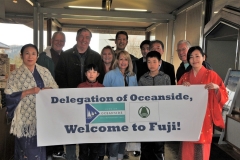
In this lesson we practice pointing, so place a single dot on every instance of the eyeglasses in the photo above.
(181, 50)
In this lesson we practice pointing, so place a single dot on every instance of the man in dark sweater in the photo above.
(70, 71)
(182, 50)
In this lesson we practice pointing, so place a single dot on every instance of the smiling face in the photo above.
(122, 62)
(29, 57)
(182, 50)
(196, 59)
(121, 42)
(107, 56)
(83, 41)
(58, 42)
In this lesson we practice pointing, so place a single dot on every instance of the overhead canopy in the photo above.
(4, 46)
(158, 11)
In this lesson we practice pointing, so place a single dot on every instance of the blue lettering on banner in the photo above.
(153, 126)
(132, 97)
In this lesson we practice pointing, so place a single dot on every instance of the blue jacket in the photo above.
(114, 78)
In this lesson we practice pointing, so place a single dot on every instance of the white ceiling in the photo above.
(158, 11)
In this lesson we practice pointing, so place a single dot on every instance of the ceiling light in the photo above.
(215, 12)
(14, 1)
(127, 9)
(108, 5)
(85, 7)
(30, 2)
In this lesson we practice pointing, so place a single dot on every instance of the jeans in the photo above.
(89, 151)
(152, 151)
(71, 152)
(116, 150)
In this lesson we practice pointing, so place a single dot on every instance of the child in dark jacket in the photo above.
(90, 151)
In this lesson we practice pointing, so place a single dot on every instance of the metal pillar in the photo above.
(49, 31)
(35, 25)
(40, 32)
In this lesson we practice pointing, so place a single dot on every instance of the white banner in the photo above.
(120, 114)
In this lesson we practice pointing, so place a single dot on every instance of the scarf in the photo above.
(21, 79)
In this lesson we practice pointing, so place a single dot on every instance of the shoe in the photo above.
(101, 158)
(136, 153)
(60, 154)
(125, 156)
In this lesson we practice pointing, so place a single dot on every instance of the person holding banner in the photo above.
(22, 86)
(217, 96)
(122, 75)
(155, 77)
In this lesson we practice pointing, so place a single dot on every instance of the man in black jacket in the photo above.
(182, 50)
(70, 72)
(166, 67)
(141, 62)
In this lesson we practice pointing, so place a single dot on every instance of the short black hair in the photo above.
(193, 48)
(28, 45)
(144, 42)
(153, 54)
(157, 41)
(121, 32)
(91, 67)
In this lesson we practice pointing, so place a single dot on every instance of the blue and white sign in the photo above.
(120, 114)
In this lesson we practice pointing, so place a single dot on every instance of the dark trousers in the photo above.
(88, 151)
(152, 150)
(54, 149)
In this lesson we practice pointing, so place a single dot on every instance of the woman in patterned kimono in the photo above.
(22, 86)
(217, 96)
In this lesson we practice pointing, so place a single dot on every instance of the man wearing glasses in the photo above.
(182, 50)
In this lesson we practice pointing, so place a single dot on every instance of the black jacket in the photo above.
(168, 69)
(181, 69)
(68, 69)
(142, 68)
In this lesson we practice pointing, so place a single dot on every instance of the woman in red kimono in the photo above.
(217, 96)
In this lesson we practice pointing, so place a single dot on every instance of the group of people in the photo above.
(80, 67)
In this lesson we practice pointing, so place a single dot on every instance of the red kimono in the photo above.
(200, 150)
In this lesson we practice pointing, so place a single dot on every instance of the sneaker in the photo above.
(125, 156)
(136, 153)
(60, 154)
